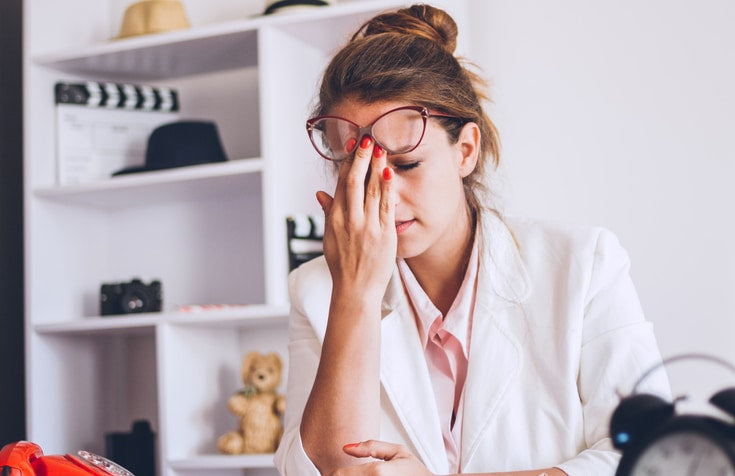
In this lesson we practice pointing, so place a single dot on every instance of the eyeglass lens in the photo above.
(397, 132)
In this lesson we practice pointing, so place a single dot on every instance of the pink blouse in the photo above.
(446, 342)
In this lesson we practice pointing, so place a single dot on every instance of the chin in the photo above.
(409, 250)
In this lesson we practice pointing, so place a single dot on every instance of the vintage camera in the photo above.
(24, 458)
(131, 297)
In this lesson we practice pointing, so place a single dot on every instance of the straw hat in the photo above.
(153, 16)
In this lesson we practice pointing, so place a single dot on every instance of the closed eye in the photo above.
(406, 166)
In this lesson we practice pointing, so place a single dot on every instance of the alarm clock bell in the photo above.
(655, 439)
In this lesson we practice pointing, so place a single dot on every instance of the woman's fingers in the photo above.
(375, 449)
(387, 215)
(355, 180)
(360, 238)
(325, 201)
(340, 191)
(373, 184)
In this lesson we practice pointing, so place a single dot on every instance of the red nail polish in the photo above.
(350, 445)
(350, 146)
(366, 142)
(378, 151)
(387, 173)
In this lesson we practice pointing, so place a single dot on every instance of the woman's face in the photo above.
(432, 216)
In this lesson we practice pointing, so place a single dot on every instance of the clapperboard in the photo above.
(102, 127)
(305, 234)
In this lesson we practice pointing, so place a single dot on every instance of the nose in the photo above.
(398, 187)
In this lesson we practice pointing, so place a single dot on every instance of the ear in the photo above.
(248, 360)
(469, 144)
(275, 360)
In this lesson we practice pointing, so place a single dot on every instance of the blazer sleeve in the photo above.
(304, 349)
(618, 345)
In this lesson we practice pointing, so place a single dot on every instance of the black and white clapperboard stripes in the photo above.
(117, 96)
(104, 126)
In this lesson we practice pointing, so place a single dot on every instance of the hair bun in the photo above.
(423, 21)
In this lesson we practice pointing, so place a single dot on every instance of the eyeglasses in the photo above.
(397, 131)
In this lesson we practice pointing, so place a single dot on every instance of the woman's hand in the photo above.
(360, 237)
(396, 459)
(360, 248)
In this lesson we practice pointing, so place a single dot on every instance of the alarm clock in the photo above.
(655, 439)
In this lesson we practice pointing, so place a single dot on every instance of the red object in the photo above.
(387, 173)
(24, 458)
(366, 142)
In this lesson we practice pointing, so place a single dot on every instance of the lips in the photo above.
(402, 226)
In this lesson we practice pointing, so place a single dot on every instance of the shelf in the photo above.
(189, 51)
(240, 316)
(211, 462)
(139, 323)
(164, 55)
(181, 183)
(214, 233)
(235, 316)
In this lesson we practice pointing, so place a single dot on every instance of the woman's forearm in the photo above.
(344, 404)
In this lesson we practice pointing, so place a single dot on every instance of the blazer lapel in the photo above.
(494, 362)
(497, 329)
(405, 378)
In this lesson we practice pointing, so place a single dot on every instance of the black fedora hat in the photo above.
(278, 6)
(178, 144)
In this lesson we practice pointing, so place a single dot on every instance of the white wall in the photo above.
(622, 114)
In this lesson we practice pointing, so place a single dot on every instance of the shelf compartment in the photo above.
(194, 424)
(98, 386)
(189, 51)
(182, 183)
(164, 55)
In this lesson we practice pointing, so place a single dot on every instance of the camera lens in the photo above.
(134, 301)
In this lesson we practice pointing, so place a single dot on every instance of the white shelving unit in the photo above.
(212, 233)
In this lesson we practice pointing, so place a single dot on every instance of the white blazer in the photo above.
(557, 331)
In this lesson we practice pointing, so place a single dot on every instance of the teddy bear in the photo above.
(258, 406)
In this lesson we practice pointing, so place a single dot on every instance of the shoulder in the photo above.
(552, 253)
(309, 287)
(544, 238)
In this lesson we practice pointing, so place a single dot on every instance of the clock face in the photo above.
(685, 454)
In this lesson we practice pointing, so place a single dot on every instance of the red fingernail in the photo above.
(387, 173)
(366, 142)
(350, 445)
(378, 151)
(350, 146)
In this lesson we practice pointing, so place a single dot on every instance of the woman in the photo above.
(434, 336)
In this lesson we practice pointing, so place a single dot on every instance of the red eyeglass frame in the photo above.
(368, 130)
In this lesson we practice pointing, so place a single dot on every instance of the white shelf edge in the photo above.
(256, 314)
(159, 177)
(244, 25)
(100, 324)
(247, 314)
(204, 462)
(112, 46)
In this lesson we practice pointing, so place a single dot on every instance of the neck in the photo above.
(440, 271)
